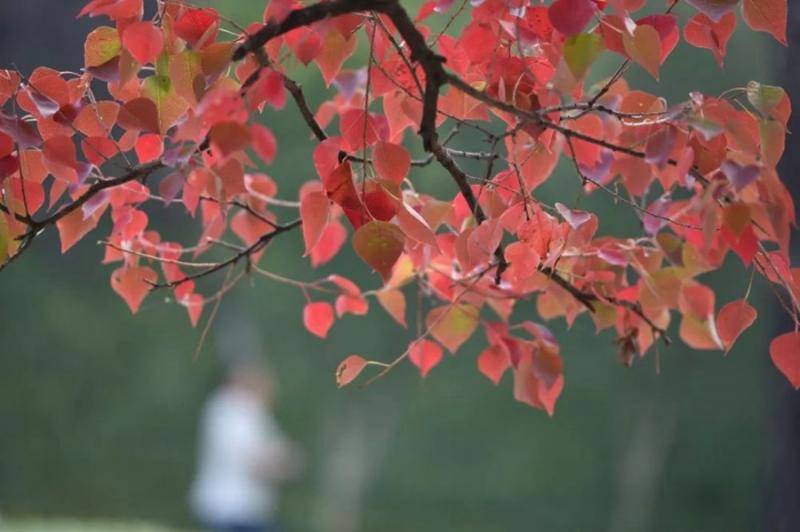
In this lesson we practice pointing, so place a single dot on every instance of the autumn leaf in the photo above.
(767, 15)
(315, 212)
(349, 369)
(452, 325)
(493, 362)
(101, 46)
(785, 353)
(144, 41)
(133, 284)
(197, 26)
(733, 319)
(379, 244)
(318, 318)
(425, 354)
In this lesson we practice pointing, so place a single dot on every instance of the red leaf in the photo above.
(315, 213)
(391, 161)
(493, 362)
(197, 24)
(703, 32)
(733, 319)
(318, 318)
(767, 15)
(133, 284)
(570, 16)
(340, 188)
(785, 353)
(149, 147)
(425, 354)
(264, 143)
(349, 369)
(715, 9)
(335, 51)
(144, 41)
(115, 9)
(329, 244)
(357, 127)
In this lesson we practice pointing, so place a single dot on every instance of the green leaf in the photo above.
(764, 97)
(580, 51)
(170, 106)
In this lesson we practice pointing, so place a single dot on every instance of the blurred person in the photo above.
(243, 455)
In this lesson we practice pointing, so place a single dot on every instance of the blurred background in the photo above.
(99, 409)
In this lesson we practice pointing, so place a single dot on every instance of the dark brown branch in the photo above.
(306, 16)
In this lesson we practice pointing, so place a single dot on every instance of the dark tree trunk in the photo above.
(783, 496)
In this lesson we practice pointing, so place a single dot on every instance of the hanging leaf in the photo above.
(644, 48)
(379, 244)
(570, 16)
(452, 325)
(391, 161)
(349, 369)
(493, 362)
(733, 319)
(133, 284)
(315, 213)
(425, 354)
(144, 41)
(394, 302)
(785, 353)
(769, 16)
(197, 26)
(318, 318)
(102, 45)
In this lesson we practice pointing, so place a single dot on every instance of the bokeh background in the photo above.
(99, 408)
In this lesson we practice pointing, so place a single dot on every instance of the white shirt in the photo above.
(239, 439)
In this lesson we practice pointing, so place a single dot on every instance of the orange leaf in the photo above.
(452, 325)
(767, 15)
(733, 319)
(335, 51)
(379, 244)
(785, 353)
(394, 302)
(425, 354)
(133, 284)
(101, 46)
(73, 227)
(349, 369)
(644, 47)
(493, 362)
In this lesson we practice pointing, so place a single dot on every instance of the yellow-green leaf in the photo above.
(580, 51)
(101, 46)
(170, 106)
(452, 325)
(379, 244)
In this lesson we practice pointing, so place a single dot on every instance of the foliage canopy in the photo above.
(165, 111)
